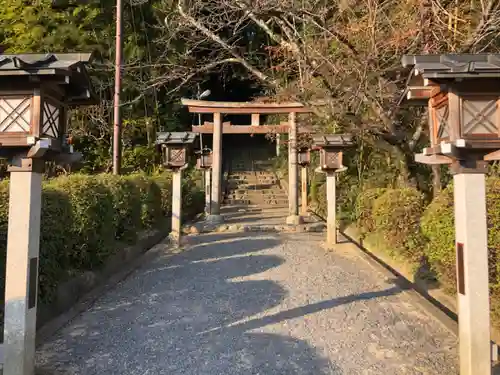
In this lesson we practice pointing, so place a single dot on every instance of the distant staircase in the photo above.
(251, 181)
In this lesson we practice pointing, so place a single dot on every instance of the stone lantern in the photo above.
(36, 92)
(462, 92)
(174, 148)
(204, 159)
(330, 148)
(304, 156)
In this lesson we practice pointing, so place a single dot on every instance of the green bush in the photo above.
(364, 209)
(151, 198)
(164, 182)
(397, 215)
(127, 205)
(193, 198)
(437, 226)
(94, 226)
(57, 242)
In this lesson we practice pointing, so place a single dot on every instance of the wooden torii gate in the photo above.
(255, 109)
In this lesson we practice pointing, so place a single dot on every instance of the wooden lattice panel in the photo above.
(442, 114)
(479, 117)
(15, 115)
(50, 118)
(331, 159)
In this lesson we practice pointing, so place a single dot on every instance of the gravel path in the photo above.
(250, 303)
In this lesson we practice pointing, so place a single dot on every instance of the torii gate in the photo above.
(255, 109)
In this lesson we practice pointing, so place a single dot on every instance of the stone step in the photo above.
(275, 190)
(267, 203)
(246, 173)
(251, 177)
(256, 188)
(256, 199)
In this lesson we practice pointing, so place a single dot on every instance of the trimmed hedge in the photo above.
(364, 209)
(437, 226)
(397, 214)
(85, 217)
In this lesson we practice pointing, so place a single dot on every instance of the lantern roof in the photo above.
(66, 70)
(177, 138)
(454, 66)
(333, 140)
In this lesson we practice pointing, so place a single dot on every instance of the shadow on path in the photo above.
(306, 310)
(150, 323)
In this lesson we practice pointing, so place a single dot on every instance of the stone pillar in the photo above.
(278, 144)
(21, 284)
(215, 215)
(331, 201)
(472, 273)
(293, 191)
(304, 205)
(208, 188)
(176, 206)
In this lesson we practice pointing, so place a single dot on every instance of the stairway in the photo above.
(251, 181)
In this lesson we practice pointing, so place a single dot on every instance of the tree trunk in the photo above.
(436, 180)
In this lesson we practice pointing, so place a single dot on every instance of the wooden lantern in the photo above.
(204, 158)
(330, 147)
(174, 146)
(462, 93)
(304, 157)
(36, 92)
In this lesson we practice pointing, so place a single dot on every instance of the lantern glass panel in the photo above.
(479, 116)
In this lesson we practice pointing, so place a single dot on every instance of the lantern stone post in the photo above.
(331, 163)
(208, 191)
(174, 147)
(36, 91)
(304, 205)
(304, 159)
(461, 93)
(204, 163)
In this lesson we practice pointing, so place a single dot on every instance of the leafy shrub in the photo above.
(193, 198)
(139, 158)
(93, 226)
(151, 198)
(126, 204)
(56, 239)
(164, 182)
(397, 215)
(364, 209)
(437, 226)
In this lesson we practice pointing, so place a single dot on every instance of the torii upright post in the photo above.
(293, 191)
(215, 215)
